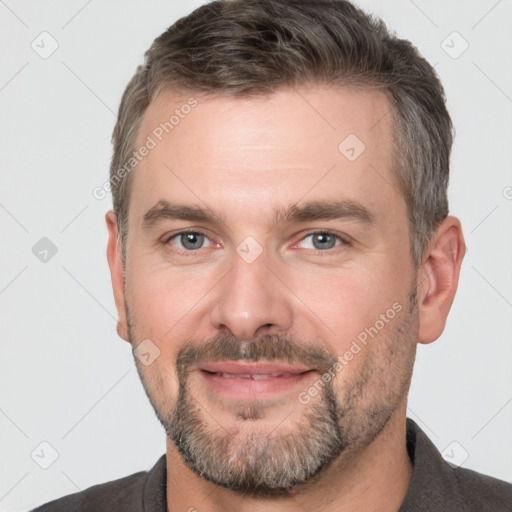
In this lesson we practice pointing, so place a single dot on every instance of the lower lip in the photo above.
(241, 387)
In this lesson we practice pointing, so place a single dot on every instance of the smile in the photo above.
(254, 376)
(239, 379)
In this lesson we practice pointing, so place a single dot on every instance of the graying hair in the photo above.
(255, 47)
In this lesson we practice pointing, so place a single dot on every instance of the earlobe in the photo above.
(438, 278)
(116, 274)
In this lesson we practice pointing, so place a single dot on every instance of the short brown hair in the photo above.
(254, 47)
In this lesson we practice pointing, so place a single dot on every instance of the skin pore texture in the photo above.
(266, 276)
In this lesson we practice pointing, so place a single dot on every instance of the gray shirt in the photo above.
(436, 486)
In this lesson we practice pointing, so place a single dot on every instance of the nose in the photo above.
(251, 300)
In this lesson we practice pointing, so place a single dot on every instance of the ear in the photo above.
(116, 274)
(438, 278)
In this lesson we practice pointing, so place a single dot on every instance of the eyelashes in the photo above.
(189, 237)
(191, 242)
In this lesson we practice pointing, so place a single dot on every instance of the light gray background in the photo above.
(65, 376)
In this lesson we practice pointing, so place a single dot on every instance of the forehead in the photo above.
(266, 151)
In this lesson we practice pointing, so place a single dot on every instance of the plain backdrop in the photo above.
(68, 381)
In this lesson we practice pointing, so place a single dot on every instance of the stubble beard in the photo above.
(256, 462)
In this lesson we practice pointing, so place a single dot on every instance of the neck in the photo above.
(374, 479)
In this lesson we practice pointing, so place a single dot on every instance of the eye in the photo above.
(189, 240)
(322, 241)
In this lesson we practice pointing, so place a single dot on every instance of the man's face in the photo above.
(282, 317)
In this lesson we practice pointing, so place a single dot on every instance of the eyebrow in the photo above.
(164, 210)
(325, 210)
(294, 214)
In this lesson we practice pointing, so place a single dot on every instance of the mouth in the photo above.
(254, 376)
(254, 380)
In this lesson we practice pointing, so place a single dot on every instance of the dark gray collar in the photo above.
(155, 489)
(433, 485)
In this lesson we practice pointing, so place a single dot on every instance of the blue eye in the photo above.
(189, 240)
(323, 240)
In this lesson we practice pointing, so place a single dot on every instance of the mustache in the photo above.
(271, 347)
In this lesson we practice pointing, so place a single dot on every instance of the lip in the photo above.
(252, 380)
(257, 368)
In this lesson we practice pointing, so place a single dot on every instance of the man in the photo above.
(280, 243)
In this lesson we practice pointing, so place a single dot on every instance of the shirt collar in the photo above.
(433, 481)
(155, 488)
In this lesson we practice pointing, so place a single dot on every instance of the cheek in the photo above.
(162, 301)
(346, 303)
(155, 313)
(161, 384)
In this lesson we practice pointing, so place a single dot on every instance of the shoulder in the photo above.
(482, 492)
(124, 494)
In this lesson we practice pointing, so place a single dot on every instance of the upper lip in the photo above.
(239, 368)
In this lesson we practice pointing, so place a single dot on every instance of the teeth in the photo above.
(253, 376)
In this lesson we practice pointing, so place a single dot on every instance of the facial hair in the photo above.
(254, 462)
